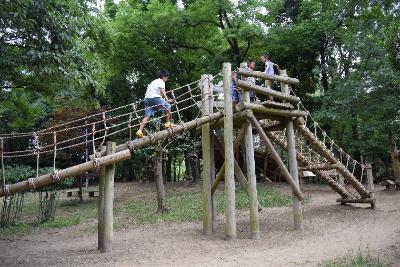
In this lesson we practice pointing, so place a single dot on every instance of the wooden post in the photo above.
(293, 167)
(206, 152)
(251, 174)
(230, 217)
(100, 206)
(370, 184)
(161, 205)
(107, 224)
(212, 152)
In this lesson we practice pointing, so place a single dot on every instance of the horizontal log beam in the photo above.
(273, 111)
(362, 200)
(263, 75)
(158, 136)
(276, 126)
(319, 167)
(275, 156)
(76, 170)
(270, 103)
(266, 91)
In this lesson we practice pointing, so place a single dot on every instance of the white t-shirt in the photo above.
(269, 68)
(153, 90)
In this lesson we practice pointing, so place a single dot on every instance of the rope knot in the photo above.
(96, 163)
(130, 146)
(55, 175)
(6, 190)
(31, 183)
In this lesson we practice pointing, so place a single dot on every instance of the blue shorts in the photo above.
(151, 105)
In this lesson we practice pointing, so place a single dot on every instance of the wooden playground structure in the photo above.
(279, 122)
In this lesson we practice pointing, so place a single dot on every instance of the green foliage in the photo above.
(18, 173)
(45, 52)
(355, 259)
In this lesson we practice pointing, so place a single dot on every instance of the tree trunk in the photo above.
(168, 170)
(188, 170)
(323, 65)
(159, 181)
(357, 153)
(394, 157)
(174, 166)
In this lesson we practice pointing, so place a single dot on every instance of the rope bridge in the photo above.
(90, 133)
(316, 151)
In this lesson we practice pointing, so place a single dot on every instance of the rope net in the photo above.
(88, 134)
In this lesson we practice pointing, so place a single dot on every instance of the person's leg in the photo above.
(149, 112)
(143, 123)
(268, 84)
(168, 114)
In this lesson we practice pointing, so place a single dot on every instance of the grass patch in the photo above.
(18, 228)
(355, 259)
(60, 222)
(185, 205)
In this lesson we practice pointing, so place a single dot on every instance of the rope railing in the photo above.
(326, 139)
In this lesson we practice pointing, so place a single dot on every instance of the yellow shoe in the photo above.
(139, 134)
(169, 125)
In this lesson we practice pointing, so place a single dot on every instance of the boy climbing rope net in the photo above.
(154, 99)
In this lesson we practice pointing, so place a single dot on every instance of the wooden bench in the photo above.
(75, 191)
(390, 185)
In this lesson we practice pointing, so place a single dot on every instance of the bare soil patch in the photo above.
(330, 229)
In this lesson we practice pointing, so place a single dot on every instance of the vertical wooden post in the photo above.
(251, 173)
(370, 184)
(230, 217)
(293, 167)
(212, 153)
(161, 205)
(206, 153)
(107, 224)
(100, 206)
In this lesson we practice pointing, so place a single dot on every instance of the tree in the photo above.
(45, 53)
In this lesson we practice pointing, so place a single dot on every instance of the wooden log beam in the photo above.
(76, 170)
(273, 111)
(238, 172)
(251, 175)
(230, 216)
(218, 179)
(361, 200)
(303, 160)
(370, 183)
(292, 159)
(220, 149)
(276, 126)
(275, 156)
(266, 91)
(319, 146)
(206, 173)
(107, 231)
(323, 167)
(273, 104)
(158, 136)
(262, 75)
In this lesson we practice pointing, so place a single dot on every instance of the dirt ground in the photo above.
(330, 230)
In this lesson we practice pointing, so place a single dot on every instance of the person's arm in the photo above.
(164, 94)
